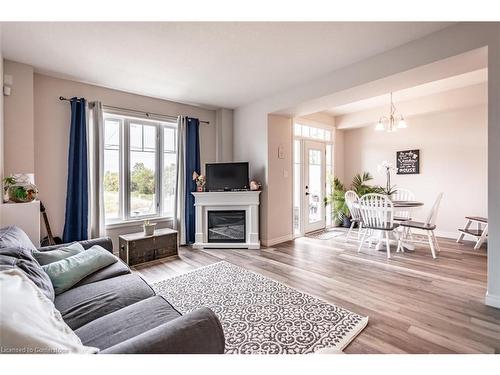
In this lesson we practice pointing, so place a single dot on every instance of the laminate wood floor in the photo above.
(415, 304)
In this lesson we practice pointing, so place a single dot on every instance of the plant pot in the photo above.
(199, 189)
(149, 229)
(346, 222)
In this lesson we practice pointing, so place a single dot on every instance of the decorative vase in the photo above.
(149, 229)
(199, 189)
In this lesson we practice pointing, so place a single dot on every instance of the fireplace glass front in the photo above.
(226, 226)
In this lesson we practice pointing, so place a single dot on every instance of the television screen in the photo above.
(227, 176)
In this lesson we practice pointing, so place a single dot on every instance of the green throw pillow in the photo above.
(67, 272)
(46, 257)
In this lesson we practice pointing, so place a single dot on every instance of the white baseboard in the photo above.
(446, 234)
(492, 300)
(277, 240)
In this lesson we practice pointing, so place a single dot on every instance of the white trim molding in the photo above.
(492, 300)
(277, 240)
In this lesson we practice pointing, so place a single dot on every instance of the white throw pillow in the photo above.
(29, 321)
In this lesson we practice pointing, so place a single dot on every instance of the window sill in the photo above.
(138, 222)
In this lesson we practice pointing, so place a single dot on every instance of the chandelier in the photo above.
(391, 123)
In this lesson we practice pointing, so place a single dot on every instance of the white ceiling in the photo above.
(415, 92)
(214, 64)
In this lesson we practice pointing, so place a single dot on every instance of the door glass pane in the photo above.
(143, 171)
(169, 171)
(315, 178)
(111, 171)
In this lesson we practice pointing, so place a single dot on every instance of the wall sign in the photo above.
(408, 162)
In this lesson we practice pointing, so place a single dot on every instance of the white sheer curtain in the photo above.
(95, 137)
(180, 191)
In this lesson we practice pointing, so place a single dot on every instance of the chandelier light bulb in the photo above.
(380, 126)
(402, 124)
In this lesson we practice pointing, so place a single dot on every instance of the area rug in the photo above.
(326, 234)
(260, 315)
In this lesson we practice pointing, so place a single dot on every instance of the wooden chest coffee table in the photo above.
(136, 248)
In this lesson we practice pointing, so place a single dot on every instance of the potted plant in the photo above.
(149, 228)
(387, 168)
(336, 199)
(19, 189)
(340, 211)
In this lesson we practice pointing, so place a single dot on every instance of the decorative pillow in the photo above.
(46, 257)
(15, 237)
(23, 259)
(67, 272)
(29, 321)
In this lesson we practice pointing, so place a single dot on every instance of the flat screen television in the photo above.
(227, 176)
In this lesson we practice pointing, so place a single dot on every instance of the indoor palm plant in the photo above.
(336, 199)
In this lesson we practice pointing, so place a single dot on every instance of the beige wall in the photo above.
(19, 150)
(224, 142)
(454, 160)
(279, 188)
(52, 118)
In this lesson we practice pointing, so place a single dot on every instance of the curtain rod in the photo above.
(132, 110)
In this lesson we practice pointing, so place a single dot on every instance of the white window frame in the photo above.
(125, 119)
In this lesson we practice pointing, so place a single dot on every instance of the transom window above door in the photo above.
(306, 131)
(139, 168)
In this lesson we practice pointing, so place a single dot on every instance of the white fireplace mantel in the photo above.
(227, 200)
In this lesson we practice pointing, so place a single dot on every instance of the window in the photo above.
(312, 132)
(139, 168)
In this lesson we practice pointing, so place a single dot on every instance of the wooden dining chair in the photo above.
(352, 202)
(377, 213)
(429, 225)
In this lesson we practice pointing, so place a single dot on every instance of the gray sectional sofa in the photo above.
(118, 312)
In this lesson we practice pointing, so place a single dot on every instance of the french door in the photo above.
(314, 186)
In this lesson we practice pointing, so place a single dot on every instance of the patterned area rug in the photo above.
(260, 315)
(326, 234)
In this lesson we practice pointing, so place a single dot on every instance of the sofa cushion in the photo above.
(13, 236)
(81, 305)
(116, 269)
(22, 259)
(66, 251)
(128, 322)
(30, 322)
(69, 271)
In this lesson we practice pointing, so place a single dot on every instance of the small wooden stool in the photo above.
(479, 234)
